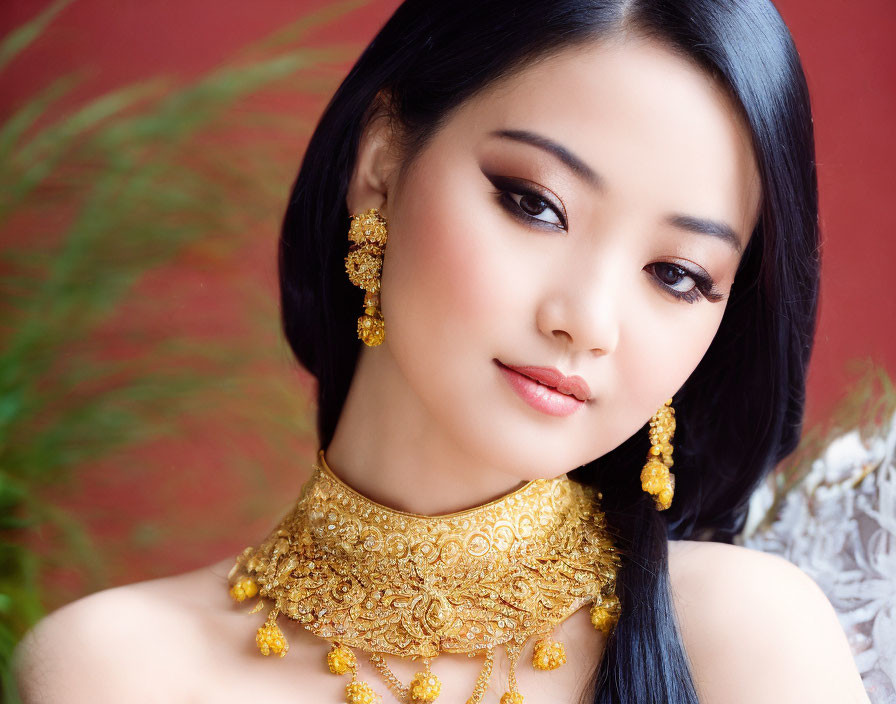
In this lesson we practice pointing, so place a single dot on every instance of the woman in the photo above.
(564, 214)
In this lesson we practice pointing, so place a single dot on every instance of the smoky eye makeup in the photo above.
(533, 200)
(525, 200)
(704, 285)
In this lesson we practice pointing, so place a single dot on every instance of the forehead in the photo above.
(658, 130)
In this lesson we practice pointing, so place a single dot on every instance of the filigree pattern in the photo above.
(354, 571)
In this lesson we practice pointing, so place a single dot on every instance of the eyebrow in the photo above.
(700, 226)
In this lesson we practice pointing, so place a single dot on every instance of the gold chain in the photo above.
(513, 654)
(485, 674)
(394, 683)
(402, 692)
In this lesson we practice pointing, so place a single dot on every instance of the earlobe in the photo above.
(375, 164)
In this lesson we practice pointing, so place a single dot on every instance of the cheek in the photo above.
(657, 351)
(663, 350)
(453, 299)
(443, 282)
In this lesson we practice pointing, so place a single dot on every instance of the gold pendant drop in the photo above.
(364, 265)
(425, 686)
(340, 659)
(357, 692)
(270, 638)
(512, 698)
(548, 654)
(656, 479)
(605, 614)
(244, 589)
(512, 695)
(371, 326)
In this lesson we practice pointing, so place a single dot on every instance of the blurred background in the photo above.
(152, 419)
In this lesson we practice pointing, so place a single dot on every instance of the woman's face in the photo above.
(587, 214)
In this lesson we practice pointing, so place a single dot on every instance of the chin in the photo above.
(518, 449)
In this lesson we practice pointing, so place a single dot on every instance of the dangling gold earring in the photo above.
(364, 264)
(656, 479)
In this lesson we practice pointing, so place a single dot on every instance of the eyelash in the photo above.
(505, 188)
(704, 285)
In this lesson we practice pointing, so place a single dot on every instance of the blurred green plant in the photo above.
(92, 198)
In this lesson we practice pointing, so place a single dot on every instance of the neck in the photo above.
(389, 448)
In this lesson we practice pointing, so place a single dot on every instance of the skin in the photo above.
(465, 282)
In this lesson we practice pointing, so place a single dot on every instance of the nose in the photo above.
(581, 307)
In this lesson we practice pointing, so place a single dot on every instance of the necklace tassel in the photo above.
(270, 639)
(244, 588)
(358, 692)
(425, 686)
(549, 654)
(485, 674)
(512, 695)
(341, 659)
(605, 614)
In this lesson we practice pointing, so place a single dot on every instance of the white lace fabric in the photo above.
(839, 526)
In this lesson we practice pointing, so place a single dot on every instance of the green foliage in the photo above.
(18, 40)
(92, 199)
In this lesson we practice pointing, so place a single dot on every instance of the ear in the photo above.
(375, 164)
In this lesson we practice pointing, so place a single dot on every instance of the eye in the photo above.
(688, 286)
(534, 205)
(526, 203)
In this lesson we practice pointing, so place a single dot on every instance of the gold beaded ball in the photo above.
(512, 698)
(662, 427)
(548, 655)
(425, 687)
(364, 265)
(340, 659)
(371, 329)
(244, 589)
(654, 476)
(360, 693)
(602, 620)
(368, 226)
(605, 614)
(270, 640)
(656, 479)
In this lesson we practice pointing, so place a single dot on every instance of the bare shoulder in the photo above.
(123, 637)
(757, 628)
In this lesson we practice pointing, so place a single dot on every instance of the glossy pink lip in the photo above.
(546, 389)
(551, 376)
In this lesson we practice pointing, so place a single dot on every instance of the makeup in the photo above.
(540, 396)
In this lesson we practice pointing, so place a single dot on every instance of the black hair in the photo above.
(740, 412)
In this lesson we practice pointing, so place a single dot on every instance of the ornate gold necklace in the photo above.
(362, 575)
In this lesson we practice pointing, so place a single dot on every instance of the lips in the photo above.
(551, 376)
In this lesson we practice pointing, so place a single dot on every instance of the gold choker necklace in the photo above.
(362, 575)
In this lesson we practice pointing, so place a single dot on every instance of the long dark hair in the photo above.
(740, 412)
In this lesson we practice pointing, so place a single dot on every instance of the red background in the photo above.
(848, 53)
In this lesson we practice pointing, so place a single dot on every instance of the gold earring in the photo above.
(364, 264)
(656, 479)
